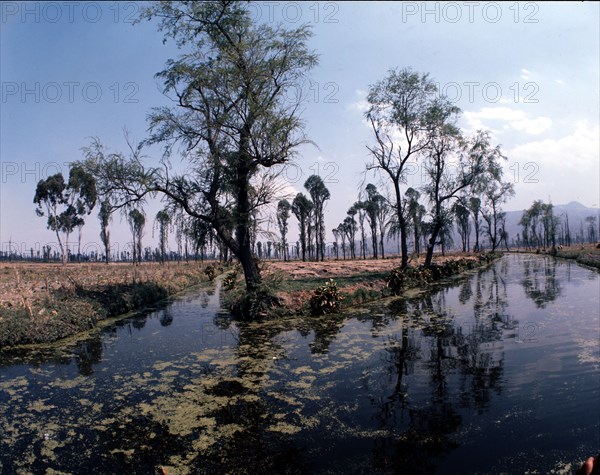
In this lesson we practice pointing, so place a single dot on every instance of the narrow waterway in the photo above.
(494, 372)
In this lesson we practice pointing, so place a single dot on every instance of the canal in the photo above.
(493, 372)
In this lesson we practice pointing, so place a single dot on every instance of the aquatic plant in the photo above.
(210, 272)
(230, 280)
(326, 299)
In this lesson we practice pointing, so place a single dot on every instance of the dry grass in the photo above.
(45, 302)
(345, 267)
(28, 282)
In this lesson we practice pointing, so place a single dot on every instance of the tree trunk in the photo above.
(431, 244)
(402, 226)
(374, 242)
(476, 224)
(251, 270)
(417, 241)
(243, 218)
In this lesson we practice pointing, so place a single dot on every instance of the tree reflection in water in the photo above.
(465, 367)
(540, 281)
(253, 448)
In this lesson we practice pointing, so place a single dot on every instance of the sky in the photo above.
(526, 71)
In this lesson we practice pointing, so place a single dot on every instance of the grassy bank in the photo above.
(41, 303)
(588, 255)
(345, 283)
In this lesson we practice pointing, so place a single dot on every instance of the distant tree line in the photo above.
(543, 229)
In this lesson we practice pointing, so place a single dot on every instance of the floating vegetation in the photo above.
(414, 381)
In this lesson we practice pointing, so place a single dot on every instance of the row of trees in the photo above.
(66, 203)
(542, 228)
(236, 122)
(411, 122)
(310, 213)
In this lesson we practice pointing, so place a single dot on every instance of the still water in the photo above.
(495, 372)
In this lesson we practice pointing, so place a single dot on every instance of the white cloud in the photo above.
(577, 151)
(361, 105)
(525, 74)
(499, 119)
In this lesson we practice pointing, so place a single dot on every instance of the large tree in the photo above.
(104, 215)
(473, 203)
(235, 116)
(137, 221)
(162, 221)
(415, 212)
(372, 207)
(398, 115)
(302, 209)
(362, 215)
(350, 228)
(463, 223)
(470, 158)
(495, 194)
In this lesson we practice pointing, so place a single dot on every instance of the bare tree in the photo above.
(399, 105)
(444, 183)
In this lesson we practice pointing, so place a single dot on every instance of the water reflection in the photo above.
(462, 366)
(540, 281)
(409, 385)
(87, 355)
(166, 317)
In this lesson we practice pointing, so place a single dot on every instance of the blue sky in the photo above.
(528, 71)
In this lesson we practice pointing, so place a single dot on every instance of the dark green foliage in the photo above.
(400, 279)
(230, 280)
(326, 299)
(362, 295)
(257, 304)
(210, 272)
(65, 204)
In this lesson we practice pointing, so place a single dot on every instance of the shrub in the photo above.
(326, 299)
(399, 279)
(230, 280)
(254, 305)
(210, 272)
